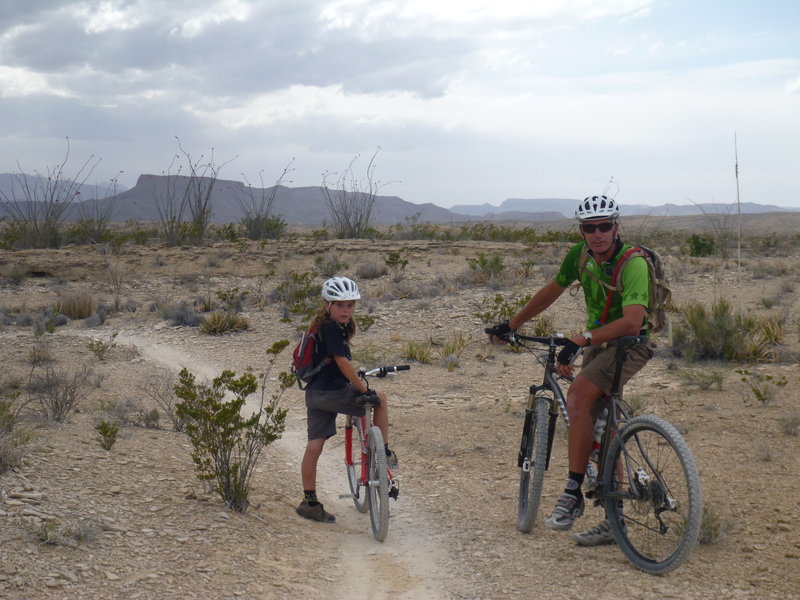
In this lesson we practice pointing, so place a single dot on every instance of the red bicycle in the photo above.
(371, 480)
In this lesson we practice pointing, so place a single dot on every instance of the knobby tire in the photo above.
(654, 536)
(378, 484)
(531, 482)
(358, 491)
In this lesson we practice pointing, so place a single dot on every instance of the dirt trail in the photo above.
(408, 564)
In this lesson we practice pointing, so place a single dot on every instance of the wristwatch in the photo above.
(587, 335)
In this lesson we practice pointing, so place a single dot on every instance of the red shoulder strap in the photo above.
(626, 255)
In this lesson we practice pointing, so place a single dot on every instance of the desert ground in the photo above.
(135, 522)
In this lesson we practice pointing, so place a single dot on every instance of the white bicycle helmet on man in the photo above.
(597, 207)
(337, 289)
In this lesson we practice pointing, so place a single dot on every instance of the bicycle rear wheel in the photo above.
(658, 522)
(533, 452)
(358, 491)
(378, 484)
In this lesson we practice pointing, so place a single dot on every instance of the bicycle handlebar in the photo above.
(558, 339)
(382, 371)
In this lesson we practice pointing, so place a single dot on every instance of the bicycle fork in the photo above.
(524, 457)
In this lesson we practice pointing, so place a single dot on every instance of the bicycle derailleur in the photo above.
(394, 489)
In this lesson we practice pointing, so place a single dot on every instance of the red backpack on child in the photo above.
(305, 360)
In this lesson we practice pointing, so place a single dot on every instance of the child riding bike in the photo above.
(337, 388)
(625, 315)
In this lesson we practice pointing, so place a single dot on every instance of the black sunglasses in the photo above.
(590, 228)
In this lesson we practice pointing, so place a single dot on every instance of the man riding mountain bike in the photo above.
(624, 315)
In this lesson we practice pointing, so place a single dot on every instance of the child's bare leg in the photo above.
(308, 468)
(381, 417)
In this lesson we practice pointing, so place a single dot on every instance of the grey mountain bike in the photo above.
(646, 478)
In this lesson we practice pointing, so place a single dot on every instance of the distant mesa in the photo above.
(307, 205)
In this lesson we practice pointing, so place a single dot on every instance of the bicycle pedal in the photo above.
(346, 496)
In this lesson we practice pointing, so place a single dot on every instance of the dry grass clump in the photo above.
(77, 305)
(221, 321)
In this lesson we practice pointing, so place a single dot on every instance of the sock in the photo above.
(574, 482)
(386, 448)
(310, 496)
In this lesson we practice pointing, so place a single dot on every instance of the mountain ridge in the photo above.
(306, 205)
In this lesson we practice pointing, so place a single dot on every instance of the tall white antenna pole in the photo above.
(739, 219)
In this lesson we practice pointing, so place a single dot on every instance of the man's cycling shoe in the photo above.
(600, 535)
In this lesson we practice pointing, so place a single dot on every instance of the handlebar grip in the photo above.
(402, 367)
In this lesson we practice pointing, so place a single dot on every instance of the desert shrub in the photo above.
(298, 292)
(232, 300)
(160, 388)
(720, 334)
(329, 265)
(371, 270)
(227, 446)
(497, 308)
(40, 354)
(18, 274)
(78, 305)
(71, 534)
(482, 268)
(396, 261)
(701, 245)
(762, 386)
(101, 348)
(106, 434)
(10, 455)
(454, 345)
(418, 351)
(220, 321)
(180, 314)
(259, 227)
(790, 423)
(59, 392)
(702, 378)
(713, 528)
(364, 322)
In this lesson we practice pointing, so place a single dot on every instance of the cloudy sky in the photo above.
(470, 101)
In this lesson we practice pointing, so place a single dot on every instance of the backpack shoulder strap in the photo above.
(583, 258)
(616, 280)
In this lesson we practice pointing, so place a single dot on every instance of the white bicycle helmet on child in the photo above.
(597, 207)
(337, 289)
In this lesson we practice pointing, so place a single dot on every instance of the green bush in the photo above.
(498, 308)
(720, 334)
(329, 265)
(107, 434)
(484, 267)
(702, 245)
(299, 293)
(227, 446)
(396, 261)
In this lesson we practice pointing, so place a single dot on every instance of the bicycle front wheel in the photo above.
(657, 522)
(533, 453)
(378, 484)
(358, 492)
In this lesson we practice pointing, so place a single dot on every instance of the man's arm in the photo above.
(540, 302)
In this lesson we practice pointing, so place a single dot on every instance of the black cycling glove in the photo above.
(500, 330)
(569, 353)
(369, 397)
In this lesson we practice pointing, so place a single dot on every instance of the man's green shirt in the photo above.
(635, 283)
